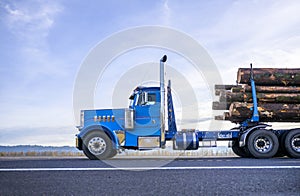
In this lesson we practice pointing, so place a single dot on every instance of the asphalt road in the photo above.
(197, 176)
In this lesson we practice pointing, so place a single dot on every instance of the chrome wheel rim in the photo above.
(263, 144)
(296, 143)
(97, 145)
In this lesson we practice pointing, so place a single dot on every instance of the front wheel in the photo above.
(97, 145)
(292, 143)
(263, 143)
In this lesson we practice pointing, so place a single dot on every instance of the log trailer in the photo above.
(142, 126)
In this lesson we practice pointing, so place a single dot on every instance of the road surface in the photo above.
(149, 176)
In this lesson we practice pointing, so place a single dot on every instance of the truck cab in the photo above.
(104, 131)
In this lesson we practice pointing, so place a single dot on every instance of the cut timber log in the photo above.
(266, 89)
(226, 86)
(220, 105)
(220, 88)
(229, 97)
(277, 92)
(220, 117)
(268, 112)
(270, 76)
(225, 116)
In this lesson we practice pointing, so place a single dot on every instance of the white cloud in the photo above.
(31, 20)
(37, 79)
(166, 13)
(252, 21)
(259, 32)
(54, 135)
(30, 23)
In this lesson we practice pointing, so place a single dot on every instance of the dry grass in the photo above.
(202, 152)
(43, 153)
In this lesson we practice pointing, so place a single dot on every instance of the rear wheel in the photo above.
(97, 145)
(240, 151)
(292, 143)
(263, 143)
(281, 150)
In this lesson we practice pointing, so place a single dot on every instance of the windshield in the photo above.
(142, 98)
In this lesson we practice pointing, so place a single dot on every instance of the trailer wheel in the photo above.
(292, 143)
(240, 151)
(97, 145)
(263, 143)
(281, 150)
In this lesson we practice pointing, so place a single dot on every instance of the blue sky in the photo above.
(43, 44)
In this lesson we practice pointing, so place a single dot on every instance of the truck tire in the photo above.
(263, 143)
(240, 151)
(292, 143)
(97, 145)
(281, 150)
(113, 153)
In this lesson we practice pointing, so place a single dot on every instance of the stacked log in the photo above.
(270, 76)
(277, 91)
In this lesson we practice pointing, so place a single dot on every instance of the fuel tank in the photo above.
(186, 141)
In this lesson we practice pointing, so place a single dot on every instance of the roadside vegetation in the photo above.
(32, 151)
(37, 150)
(201, 152)
(45, 154)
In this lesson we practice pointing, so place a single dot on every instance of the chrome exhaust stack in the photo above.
(162, 97)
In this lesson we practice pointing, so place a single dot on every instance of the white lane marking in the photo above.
(145, 168)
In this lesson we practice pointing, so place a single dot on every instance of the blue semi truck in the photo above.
(105, 132)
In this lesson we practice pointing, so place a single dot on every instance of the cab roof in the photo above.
(146, 88)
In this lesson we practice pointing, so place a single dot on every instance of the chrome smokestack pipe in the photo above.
(162, 97)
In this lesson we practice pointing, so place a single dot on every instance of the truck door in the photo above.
(147, 118)
(147, 114)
